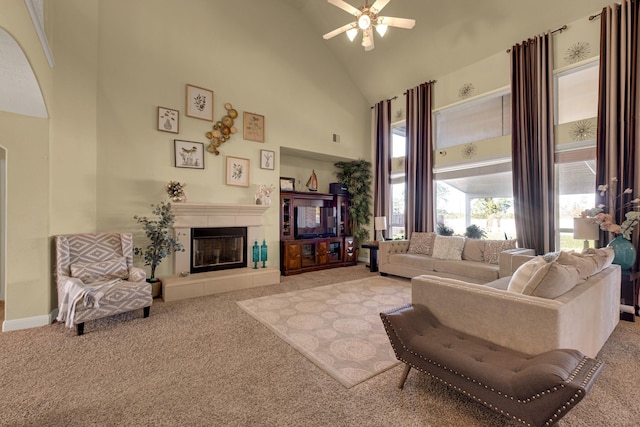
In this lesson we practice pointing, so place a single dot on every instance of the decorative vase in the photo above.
(625, 252)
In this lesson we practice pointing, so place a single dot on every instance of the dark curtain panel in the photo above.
(419, 195)
(618, 144)
(533, 143)
(382, 181)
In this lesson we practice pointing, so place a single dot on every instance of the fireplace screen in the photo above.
(218, 248)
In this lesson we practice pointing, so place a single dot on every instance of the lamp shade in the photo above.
(380, 223)
(585, 229)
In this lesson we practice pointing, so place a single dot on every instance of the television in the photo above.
(314, 221)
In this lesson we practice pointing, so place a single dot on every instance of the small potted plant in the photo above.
(161, 241)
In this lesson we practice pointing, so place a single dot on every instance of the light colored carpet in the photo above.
(337, 327)
(206, 362)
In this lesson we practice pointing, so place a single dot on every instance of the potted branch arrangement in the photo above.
(161, 241)
(356, 176)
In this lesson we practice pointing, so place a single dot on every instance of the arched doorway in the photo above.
(19, 94)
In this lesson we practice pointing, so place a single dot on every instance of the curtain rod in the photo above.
(404, 93)
(558, 30)
(597, 15)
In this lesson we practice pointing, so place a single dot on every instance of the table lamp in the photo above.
(380, 224)
(585, 229)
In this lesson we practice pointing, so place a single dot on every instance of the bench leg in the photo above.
(146, 310)
(403, 378)
(80, 328)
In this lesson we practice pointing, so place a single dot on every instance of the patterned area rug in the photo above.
(337, 327)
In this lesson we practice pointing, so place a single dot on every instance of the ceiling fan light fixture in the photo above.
(364, 21)
(382, 29)
(352, 33)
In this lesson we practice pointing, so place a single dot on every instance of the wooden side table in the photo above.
(373, 255)
(629, 293)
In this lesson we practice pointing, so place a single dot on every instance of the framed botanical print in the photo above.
(237, 171)
(199, 103)
(168, 120)
(253, 127)
(189, 154)
(267, 159)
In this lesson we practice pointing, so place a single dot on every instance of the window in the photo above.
(485, 118)
(577, 94)
(479, 195)
(395, 225)
(577, 104)
(576, 177)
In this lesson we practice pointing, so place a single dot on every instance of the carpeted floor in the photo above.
(205, 362)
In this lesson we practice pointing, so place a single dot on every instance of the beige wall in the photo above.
(28, 293)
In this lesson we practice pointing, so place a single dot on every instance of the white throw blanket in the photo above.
(74, 290)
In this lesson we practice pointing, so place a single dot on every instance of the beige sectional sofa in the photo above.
(472, 260)
(531, 317)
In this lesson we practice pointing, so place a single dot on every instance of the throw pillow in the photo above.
(448, 247)
(524, 273)
(492, 249)
(551, 280)
(421, 243)
(473, 250)
(588, 263)
(115, 268)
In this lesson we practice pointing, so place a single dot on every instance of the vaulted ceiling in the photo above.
(448, 35)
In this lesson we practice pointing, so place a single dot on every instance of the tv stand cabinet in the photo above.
(299, 255)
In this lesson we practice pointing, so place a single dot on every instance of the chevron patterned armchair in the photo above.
(95, 278)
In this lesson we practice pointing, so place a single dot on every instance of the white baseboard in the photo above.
(29, 322)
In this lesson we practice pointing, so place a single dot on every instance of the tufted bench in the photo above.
(535, 390)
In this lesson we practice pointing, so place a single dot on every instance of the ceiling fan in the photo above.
(366, 19)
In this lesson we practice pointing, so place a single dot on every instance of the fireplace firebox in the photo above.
(220, 248)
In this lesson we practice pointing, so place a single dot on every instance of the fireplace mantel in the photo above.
(217, 215)
(205, 215)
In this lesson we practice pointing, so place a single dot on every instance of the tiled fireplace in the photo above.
(201, 227)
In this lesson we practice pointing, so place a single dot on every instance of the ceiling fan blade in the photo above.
(339, 30)
(397, 22)
(379, 5)
(345, 6)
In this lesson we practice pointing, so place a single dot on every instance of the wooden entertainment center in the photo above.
(314, 232)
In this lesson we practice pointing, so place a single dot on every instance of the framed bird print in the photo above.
(189, 154)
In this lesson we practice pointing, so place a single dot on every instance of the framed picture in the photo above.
(168, 120)
(253, 127)
(189, 154)
(237, 171)
(287, 184)
(267, 159)
(199, 103)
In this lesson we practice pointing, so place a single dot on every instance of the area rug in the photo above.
(338, 326)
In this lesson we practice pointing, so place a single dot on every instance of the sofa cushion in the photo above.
(115, 268)
(422, 262)
(473, 250)
(492, 249)
(588, 263)
(551, 280)
(477, 270)
(448, 247)
(524, 273)
(421, 243)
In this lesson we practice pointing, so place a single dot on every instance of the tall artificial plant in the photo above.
(161, 241)
(356, 176)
